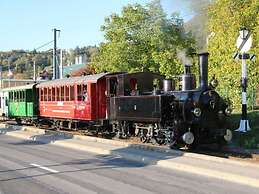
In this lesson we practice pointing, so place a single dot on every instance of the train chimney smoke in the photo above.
(203, 64)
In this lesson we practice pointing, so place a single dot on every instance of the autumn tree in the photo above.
(226, 17)
(142, 38)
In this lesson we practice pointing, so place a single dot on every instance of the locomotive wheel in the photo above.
(160, 140)
(192, 146)
(18, 121)
(143, 139)
(153, 141)
(173, 144)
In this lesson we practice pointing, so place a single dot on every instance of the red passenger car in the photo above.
(64, 102)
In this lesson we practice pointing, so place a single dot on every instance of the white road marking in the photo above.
(44, 168)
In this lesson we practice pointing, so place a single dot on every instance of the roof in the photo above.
(67, 70)
(18, 80)
(73, 80)
(24, 87)
(125, 74)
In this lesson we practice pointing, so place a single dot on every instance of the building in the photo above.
(68, 70)
(81, 59)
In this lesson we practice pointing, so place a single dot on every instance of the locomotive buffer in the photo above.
(244, 43)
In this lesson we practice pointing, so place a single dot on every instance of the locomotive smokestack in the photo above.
(167, 85)
(188, 79)
(187, 69)
(203, 63)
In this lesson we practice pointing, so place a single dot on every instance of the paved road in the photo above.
(26, 167)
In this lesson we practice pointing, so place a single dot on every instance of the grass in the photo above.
(249, 140)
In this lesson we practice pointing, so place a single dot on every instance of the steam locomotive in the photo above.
(189, 116)
(142, 104)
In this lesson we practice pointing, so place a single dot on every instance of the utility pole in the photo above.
(1, 78)
(61, 64)
(55, 66)
(34, 71)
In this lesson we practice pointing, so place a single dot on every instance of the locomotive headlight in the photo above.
(228, 111)
(197, 112)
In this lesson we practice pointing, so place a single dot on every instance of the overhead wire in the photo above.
(43, 45)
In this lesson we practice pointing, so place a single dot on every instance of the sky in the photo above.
(28, 24)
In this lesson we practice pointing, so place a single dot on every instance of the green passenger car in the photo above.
(22, 102)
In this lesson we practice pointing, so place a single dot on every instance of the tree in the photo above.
(226, 17)
(142, 38)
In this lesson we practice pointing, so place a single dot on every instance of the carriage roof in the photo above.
(15, 88)
(74, 80)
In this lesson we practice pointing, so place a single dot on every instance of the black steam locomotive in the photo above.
(189, 116)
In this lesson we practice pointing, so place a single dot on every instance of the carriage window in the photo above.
(29, 96)
(113, 87)
(11, 96)
(84, 92)
(49, 94)
(79, 92)
(67, 93)
(22, 96)
(14, 96)
(45, 94)
(18, 96)
(41, 94)
(72, 93)
(53, 94)
(58, 94)
(62, 93)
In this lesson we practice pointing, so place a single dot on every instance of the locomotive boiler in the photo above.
(189, 116)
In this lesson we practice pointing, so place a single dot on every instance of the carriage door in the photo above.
(112, 91)
(112, 87)
(5, 103)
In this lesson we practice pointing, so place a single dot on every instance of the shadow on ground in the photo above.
(48, 137)
(3, 131)
(99, 162)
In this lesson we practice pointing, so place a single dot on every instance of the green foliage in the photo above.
(21, 62)
(142, 38)
(226, 17)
